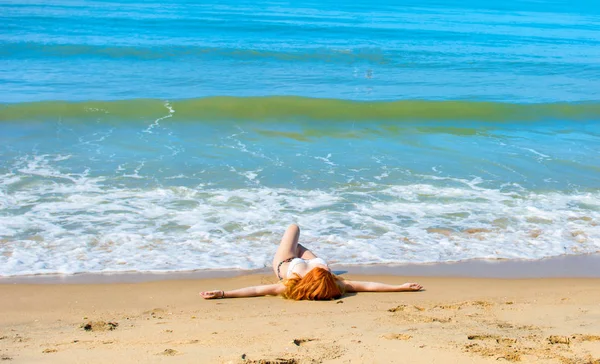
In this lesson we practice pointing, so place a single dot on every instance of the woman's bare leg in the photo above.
(304, 253)
(288, 247)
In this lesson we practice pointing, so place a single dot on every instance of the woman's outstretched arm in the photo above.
(358, 286)
(266, 290)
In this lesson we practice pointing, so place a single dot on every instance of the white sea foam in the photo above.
(543, 156)
(79, 223)
(326, 160)
(156, 122)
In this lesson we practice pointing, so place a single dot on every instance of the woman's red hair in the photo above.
(317, 284)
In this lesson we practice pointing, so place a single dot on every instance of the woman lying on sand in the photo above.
(303, 276)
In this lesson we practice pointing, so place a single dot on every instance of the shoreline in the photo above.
(565, 266)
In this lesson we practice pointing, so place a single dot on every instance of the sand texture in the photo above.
(456, 320)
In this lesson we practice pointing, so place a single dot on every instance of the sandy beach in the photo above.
(455, 320)
(151, 150)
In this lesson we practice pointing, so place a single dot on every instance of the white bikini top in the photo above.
(310, 264)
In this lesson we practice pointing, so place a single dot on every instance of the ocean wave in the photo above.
(290, 108)
(82, 223)
(343, 56)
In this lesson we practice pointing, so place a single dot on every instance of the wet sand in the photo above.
(566, 266)
(455, 320)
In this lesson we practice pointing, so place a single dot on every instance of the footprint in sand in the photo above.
(505, 325)
(272, 361)
(579, 337)
(406, 308)
(157, 313)
(556, 339)
(506, 353)
(301, 341)
(18, 338)
(461, 305)
(169, 352)
(392, 336)
(411, 313)
(498, 339)
(99, 326)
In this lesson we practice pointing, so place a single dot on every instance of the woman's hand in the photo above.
(412, 286)
(209, 295)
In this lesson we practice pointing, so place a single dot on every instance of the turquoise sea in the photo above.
(182, 135)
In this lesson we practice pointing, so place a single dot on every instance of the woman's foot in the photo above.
(412, 287)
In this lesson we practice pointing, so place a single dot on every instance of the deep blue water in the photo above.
(520, 51)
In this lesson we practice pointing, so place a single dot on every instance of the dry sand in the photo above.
(456, 320)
